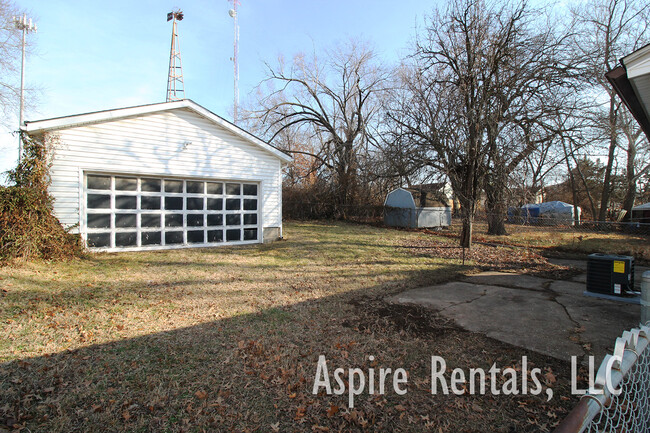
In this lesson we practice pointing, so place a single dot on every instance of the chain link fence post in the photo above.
(645, 298)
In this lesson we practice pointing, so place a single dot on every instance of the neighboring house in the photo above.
(159, 176)
(631, 81)
(432, 194)
(641, 214)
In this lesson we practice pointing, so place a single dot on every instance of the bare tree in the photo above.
(609, 29)
(482, 81)
(637, 151)
(10, 55)
(333, 102)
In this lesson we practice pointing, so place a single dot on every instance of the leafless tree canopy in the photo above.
(607, 30)
(333, 102)
(497, 97)
(10, 55)
(483, 88)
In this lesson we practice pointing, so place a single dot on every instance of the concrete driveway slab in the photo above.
(552, 317)
(443, 296)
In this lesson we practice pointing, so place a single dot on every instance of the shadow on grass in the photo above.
(255, 372)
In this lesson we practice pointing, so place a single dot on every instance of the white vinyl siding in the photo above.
(171, 144)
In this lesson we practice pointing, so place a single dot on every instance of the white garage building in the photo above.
(165, 175)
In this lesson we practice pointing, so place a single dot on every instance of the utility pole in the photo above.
(26, 27)
(233, 13)
(175, 85)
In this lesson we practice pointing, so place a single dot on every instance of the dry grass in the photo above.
(228, 338)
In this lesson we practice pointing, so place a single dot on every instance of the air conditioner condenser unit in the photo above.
(610, 274)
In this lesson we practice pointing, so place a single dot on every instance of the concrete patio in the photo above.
(552, 317)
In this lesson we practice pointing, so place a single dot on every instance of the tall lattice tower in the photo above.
(175, 88)
(235, 58)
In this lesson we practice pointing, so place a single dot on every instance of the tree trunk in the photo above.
(628, 201)
(495, 205)
(466, 232)
(604, 201)
(467, 217)
(630, 178)
(496, 221)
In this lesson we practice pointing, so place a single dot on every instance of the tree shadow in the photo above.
(255, 372)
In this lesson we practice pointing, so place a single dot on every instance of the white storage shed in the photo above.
(159, 176)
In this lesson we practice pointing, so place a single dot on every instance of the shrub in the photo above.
(28, 227)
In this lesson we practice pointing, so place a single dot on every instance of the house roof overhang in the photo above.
(631, 81)
(40, 127)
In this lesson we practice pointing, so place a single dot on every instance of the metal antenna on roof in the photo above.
(233, 13)
(175, 88)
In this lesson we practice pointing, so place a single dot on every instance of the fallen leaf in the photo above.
(300, 413)
(550, 377)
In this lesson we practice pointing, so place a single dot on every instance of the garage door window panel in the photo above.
(126, 184)
(150, 238)
(99, 182)
(126, 220)
(98, 201)
(125, 211)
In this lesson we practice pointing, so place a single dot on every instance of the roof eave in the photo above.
(618, 79)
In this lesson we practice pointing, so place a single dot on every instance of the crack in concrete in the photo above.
(552, 296)
(507, 286)
(469, 301)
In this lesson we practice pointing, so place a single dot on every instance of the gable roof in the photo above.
(56, 123)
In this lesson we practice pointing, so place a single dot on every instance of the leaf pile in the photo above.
(491, 257)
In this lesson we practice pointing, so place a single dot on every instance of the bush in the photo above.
(28, 227)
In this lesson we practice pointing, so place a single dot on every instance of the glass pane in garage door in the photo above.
(126, 211)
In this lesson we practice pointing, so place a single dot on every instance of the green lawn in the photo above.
(228, 339)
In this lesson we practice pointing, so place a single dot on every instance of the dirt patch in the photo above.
(378, 315)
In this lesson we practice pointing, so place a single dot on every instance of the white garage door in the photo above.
(124, 211)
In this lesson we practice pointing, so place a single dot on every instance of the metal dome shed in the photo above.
(400, 209)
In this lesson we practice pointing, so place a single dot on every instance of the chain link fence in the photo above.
(304, 210)
(620, 399)
(559, 233)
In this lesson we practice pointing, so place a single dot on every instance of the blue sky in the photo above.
(92, 55)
